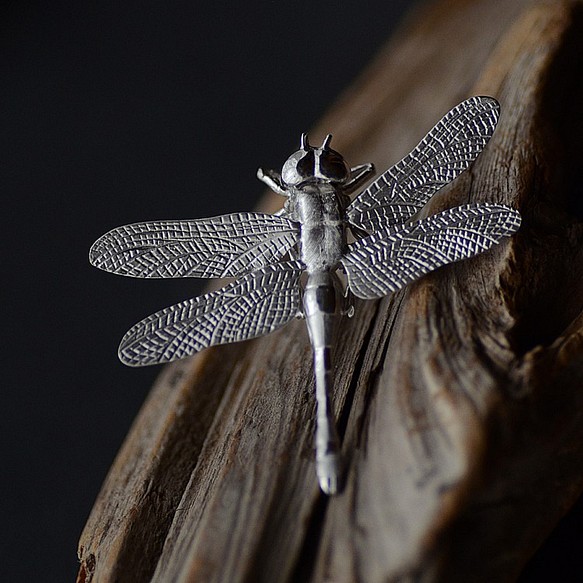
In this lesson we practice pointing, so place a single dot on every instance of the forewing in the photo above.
(390, 259)
(446, 151)
(254, 305)
(223, 246)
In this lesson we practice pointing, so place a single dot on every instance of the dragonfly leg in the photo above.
(360, 175)
(348, 308)
(273, 180)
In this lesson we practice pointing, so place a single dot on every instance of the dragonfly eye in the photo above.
(315, 164)
(299, 167)
(332, 167)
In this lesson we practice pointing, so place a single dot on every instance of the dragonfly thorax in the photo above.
(315, 164)
(318, 208)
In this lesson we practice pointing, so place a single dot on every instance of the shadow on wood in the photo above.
(459, 398)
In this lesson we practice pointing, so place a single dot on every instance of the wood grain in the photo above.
(459, 399)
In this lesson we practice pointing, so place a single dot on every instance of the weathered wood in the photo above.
(459, 398)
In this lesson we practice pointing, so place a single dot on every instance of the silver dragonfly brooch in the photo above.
(268, 253)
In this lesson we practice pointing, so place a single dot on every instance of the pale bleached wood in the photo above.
(459, 398)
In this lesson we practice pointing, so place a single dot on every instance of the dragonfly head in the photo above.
(315, 164)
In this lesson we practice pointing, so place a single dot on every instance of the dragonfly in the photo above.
(290, 264)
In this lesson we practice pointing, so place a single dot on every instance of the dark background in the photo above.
(116, 112)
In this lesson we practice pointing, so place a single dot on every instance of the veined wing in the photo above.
(223, 246)
(444, 153)
(390, 259)
(254, 305)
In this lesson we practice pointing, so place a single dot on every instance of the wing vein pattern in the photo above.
(390, 259)
(256, 304)
(444, 153)
(224, 246)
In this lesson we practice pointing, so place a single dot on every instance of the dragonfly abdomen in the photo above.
(322, 301)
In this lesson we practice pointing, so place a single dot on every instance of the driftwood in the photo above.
(459, 399)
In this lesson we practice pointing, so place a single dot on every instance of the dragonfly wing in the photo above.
(254, 305)
(388, 260)
(223, 246)
(444, 153)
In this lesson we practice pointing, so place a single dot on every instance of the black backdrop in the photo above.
(114, 112)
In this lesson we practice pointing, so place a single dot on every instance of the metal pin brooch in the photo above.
(269, 253)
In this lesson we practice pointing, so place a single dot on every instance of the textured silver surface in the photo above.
(256, 304)
(223, 246)
(390, 259)
(312, 227)
(444, 153)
